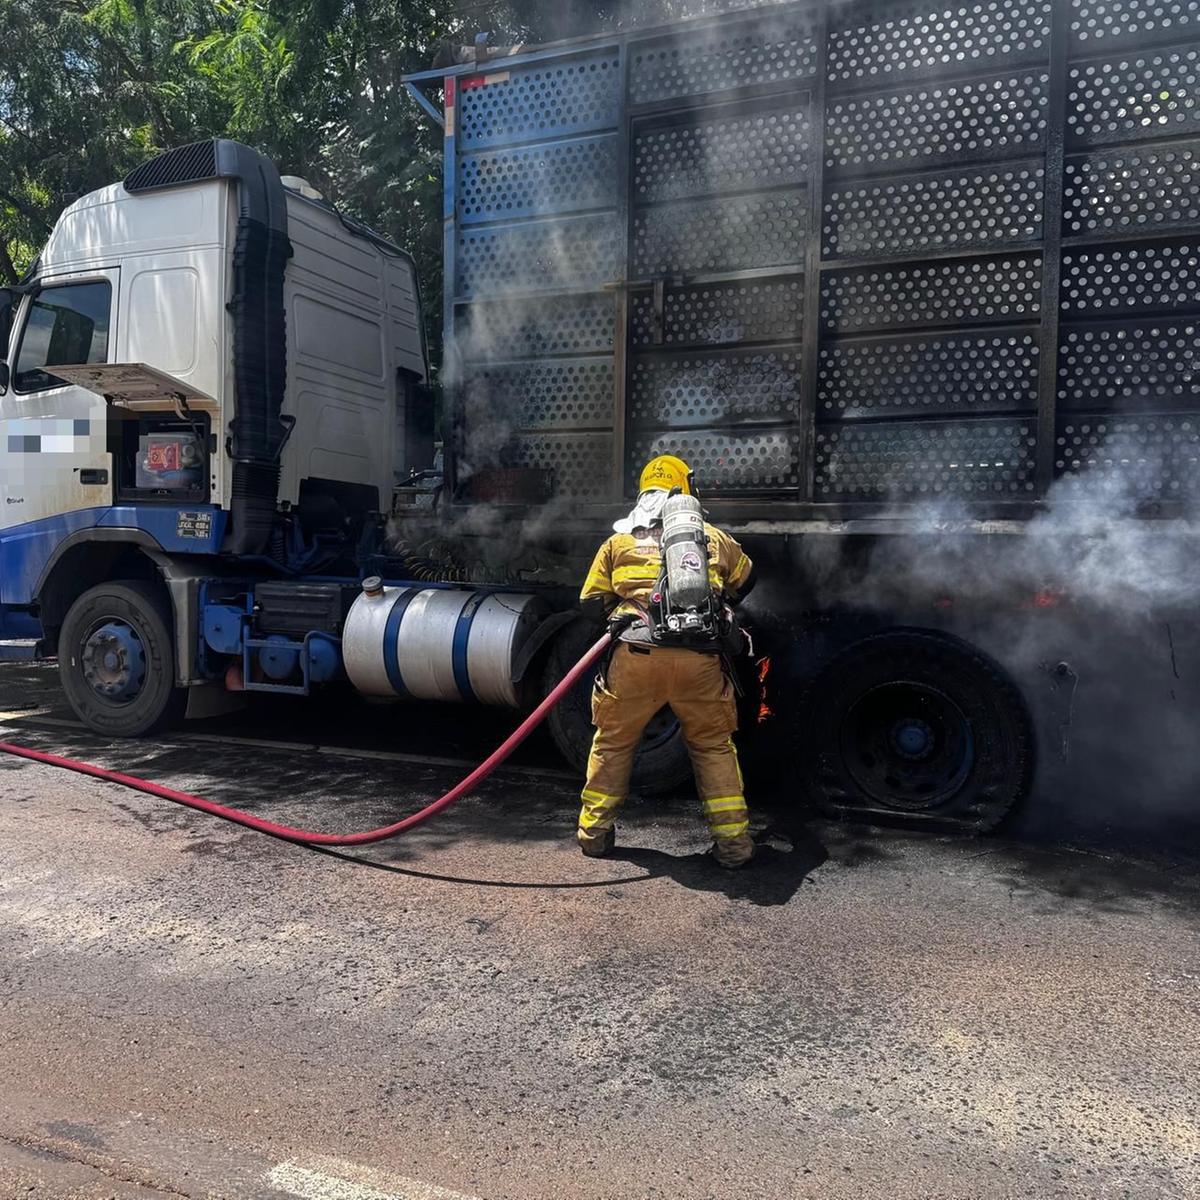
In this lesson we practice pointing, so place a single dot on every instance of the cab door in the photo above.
(54, 458)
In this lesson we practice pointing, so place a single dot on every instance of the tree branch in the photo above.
(166, 129)
(8, 268)
(23, 207)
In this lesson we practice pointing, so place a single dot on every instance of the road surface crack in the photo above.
(65, 1152)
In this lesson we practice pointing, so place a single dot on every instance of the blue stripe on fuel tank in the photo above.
(391, 632)
(458, 652)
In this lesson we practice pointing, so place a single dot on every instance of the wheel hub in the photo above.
(907, 745)
(912, 738)
(114, 661)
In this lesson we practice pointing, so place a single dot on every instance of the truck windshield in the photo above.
(66, 324)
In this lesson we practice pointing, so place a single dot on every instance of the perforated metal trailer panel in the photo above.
(859, 253)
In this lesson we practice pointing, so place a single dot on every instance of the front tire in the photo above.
(116, 660)
(918, 728)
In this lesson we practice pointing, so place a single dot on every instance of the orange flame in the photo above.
(764, 709)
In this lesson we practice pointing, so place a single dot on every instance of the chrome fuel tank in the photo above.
(437, 643)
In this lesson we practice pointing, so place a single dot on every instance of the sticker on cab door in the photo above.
(194, 525)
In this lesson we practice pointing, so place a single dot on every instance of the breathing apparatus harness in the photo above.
(683, 610)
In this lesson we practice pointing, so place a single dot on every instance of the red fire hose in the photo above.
(310, 837)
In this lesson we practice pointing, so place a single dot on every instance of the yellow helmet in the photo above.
(666, 472)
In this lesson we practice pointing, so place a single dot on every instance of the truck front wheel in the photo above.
(920, 728)
(116, 660)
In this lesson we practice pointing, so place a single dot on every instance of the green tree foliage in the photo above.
(87, 90)
(91, 88)
(250, 66)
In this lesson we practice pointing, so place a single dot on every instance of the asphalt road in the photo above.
(191, 1009)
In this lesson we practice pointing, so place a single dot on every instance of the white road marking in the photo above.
(308, 1183)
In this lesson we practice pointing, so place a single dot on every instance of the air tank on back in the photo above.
(685, 552)
(437, 643)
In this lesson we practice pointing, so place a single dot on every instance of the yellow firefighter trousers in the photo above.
(638, 684)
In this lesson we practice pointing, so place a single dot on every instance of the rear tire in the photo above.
(116, 660)
(918, 728)
(662, 764)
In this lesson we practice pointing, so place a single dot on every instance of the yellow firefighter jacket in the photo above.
(627, 567)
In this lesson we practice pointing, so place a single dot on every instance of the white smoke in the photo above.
(1096, 541)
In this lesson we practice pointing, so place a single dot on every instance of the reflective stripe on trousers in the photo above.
(638, 684)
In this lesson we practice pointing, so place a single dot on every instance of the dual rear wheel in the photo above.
(914, 727)
(917, 728)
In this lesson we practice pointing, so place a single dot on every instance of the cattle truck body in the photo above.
(894, 279)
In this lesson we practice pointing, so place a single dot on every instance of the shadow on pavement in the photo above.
(773, 878)
(391, 868)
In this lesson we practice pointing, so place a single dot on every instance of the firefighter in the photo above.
(641, 677)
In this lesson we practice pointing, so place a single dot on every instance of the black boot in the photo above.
(599, 847)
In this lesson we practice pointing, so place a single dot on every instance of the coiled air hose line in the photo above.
(310, 837)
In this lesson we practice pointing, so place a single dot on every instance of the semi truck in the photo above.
(913, 288)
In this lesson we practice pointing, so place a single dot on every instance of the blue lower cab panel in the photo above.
(16, 625)
(26, 549)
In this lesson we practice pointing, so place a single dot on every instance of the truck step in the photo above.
(18, 651)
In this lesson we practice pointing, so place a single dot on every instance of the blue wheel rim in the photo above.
(113, 661)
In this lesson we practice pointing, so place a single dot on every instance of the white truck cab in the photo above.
(291, 347)
(213, 384)
(163, 270)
